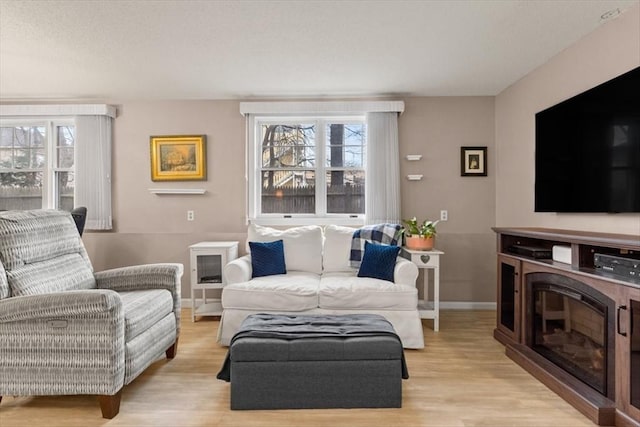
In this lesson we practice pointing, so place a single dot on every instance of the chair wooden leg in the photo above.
(110, 405)
(173, 350)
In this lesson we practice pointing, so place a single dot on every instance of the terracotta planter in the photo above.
(419, 243)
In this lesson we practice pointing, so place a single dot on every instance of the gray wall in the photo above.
(609, 51)
(154, 228)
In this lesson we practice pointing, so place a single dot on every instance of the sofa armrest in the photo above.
(69, 342)
(239, 270)
(405, 272)
(138, 277)
(92, 303)
(147, 276)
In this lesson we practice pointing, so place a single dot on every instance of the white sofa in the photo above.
(319, 280)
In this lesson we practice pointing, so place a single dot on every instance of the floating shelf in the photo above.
(177, 190)
(413, 157)
(414, 177)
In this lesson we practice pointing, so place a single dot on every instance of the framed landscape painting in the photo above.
(473, 161)
(178, 158)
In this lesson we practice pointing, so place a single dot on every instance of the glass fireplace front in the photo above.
(570, 326)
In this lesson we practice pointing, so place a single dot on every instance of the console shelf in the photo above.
(584, 245)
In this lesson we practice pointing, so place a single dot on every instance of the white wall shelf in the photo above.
(160, 191)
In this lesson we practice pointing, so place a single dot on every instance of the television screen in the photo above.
(588, 150)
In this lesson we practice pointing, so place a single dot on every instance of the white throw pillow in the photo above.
(337, 248)
(302, 245)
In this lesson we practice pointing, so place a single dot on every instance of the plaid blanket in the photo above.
(387, 234)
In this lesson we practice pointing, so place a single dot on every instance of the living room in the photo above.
(152, 228)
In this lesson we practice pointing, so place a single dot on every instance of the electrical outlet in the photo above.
(444, 215)
(190, 215)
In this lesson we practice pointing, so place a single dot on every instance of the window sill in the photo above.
(296, 221)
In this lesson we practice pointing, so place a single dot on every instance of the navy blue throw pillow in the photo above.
(378, 261)
(267, 258)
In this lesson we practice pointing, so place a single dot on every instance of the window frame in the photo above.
(254, 169)
(50, 194)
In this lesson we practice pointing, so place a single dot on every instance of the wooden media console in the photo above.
(573, 326)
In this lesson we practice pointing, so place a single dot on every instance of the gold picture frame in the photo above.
(473, 161)
(179, 158)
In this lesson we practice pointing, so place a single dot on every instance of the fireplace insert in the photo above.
(572, 325)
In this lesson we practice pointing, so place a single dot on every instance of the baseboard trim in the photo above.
(444, 305)
(467, 305)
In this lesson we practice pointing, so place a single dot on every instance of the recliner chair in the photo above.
(67, 330)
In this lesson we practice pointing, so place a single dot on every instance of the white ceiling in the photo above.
(191, 49)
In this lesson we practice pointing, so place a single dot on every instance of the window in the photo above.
(307, 168)
(37, 164)
(57, 156)
(307, 162)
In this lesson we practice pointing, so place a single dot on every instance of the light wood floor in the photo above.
(461, 378)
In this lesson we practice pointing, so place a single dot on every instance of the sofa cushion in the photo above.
(340, 291)
(143, 309)
(302, 245)
(337, 248)
(267, 258)
(55, 231)
(64, 273)
(378, 261)
(294, 291)
(387, 234)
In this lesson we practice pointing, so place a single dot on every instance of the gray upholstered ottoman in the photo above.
(329, 362)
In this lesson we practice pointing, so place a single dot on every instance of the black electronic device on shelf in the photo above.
(617, 265)
(530, 251)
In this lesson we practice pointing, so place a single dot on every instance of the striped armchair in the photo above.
(67, 330)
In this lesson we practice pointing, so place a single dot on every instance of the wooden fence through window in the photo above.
(23, 198)
(347, 199)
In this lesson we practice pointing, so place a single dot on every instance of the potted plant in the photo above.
(419, 235)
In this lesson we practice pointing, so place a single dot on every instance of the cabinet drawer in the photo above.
(425, 260)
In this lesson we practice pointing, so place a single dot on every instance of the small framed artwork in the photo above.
(179, 158)
(473, 161)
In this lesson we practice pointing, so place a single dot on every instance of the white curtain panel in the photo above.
(93, 170)
(383, 169)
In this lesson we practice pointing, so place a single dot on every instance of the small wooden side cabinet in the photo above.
(207, 261)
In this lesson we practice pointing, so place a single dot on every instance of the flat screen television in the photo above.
(588, 150)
